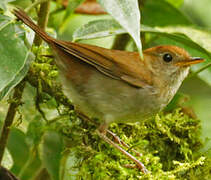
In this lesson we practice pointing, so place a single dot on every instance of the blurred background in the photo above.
(197, 90)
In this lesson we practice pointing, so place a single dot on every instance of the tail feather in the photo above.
(21, 15)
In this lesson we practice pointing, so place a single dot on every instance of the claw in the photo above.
(139, 165)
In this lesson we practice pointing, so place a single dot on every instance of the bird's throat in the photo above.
(169, 87)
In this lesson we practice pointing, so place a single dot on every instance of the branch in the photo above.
(54, 90)
(42, 22)
(16, 101)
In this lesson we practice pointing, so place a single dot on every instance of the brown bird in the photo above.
(117, 86)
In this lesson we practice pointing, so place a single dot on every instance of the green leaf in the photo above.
(162, 13)
(32, 167)
(198, 11)
(7, 161)
(3, 4)
(18, 149)
(19, 76)
(176, 3)
(52, 153)
(98, 28)
(127, 14)
(14, 59)
(196, 41)
(198, 35)
(72, 5)
(4, 20)
(35, 131)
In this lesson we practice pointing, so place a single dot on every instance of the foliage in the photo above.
(49, 141)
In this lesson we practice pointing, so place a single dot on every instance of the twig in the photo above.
(5, 174)
(10, 117)
(42, 22)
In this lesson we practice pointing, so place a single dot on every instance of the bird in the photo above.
(115, 85)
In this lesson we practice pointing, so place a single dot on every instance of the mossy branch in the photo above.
(54, 90)
(16, 101)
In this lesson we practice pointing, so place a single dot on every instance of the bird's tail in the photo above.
(20, 14)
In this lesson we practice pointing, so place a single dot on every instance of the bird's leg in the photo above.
(119, 141)
(102, 133)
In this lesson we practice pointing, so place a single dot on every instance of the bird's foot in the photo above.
(119, 141)
(139, 165)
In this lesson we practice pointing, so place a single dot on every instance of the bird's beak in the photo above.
(191, 61)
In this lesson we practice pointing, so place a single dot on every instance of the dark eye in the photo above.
(167, 57)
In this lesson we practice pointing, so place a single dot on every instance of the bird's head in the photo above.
(169, 64)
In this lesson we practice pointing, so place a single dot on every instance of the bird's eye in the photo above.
(167, 57)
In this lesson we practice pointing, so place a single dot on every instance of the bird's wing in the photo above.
(121, 65)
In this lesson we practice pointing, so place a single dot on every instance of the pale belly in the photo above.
(112, 100)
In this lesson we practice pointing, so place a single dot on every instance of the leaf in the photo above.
(198, 11)
(3, 4)
(72, 5)
(25, 162)
(14, 59)
(35, 131)
(32, 167)
(52, 153)
(176, 3)
(162, 13)
(7, 161)
(126, 13)
(196, 41)
(98, 28)
(4, 20)
(18, 149)
(71, 165)
(19, 76)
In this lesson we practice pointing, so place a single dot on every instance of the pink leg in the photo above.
(119, 141)
(137, 162)
(102, 131)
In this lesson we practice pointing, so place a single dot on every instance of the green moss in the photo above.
(170, 145)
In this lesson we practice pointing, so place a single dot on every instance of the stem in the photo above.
(42, 22)
(10, 117)
(121, 41)
(5, 174)
(42, 175)
(34, 4)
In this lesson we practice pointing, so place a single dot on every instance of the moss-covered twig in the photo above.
(54, 90)
(10, 117)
